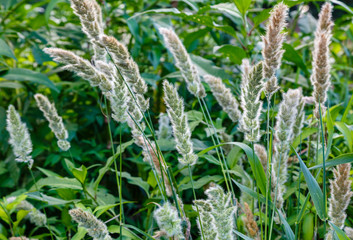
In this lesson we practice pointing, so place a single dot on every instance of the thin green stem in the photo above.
(323, 164)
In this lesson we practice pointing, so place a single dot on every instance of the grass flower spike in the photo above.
(20, 139)
(340, 194)
(320, 77)
(224, 97)
(283, 135)
(251, 87)
(250, 223)
(183, 62)
(207, 220)
(168, 221)
(164, 129)
(261, 152)
(95, 227)
(55, 121)
(181, 130)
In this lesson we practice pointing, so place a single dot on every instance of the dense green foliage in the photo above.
(218, 35)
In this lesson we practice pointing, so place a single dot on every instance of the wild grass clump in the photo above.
(187, 154)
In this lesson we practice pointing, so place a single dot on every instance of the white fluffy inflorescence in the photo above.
(183, 62)
(35, 216)
(20, 139)
(217, 214)
(340, 194)
(251, 87)
(283, 135)
(168, 221)
(95, 227)
(55, 121)
(164, 129)
(181, 130)
(320, 77)
(224, 97)
(273, 41)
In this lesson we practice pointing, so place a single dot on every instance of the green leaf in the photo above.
(136, 181)
(200, 182)
(206, 66)
(20, 74)
(292, 55)
(314, 189)
(289, 232)
(262, 16)
(228, 8)
(80, 234)
(340, 234)
(50, 8)
(344, 158)
(235, 54)
(242, 5)
(56, 182)
(21, 214)
(306, 133)
(7, 84)
(80, 173)
(242, 235)
(346, 111)
(125, 232)
(5, 50)
(347, 133)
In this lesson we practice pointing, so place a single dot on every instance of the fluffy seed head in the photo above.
(168, 220)
(181, 130)
(164, 128)
(273, 41)
(183, 62)
(20, 139)
(95, 227)
(55, 121)
(340, 194)
(261, 152)
(224, 97)
(250, 223)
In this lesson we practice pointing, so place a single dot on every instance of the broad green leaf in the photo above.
(235, 54)
(262, 16)
(346, 111)
(292, 55)
(347, 133)
(344, 158)
(340, 234)
(19, 216)
(51, 201)
(56, 182)
(228, 8)
(81, 232)
(306, 133)
(7, 84)
(125, 232)
(200, 182)
(314, 189)
(50, 8)
(242, 235)
(5, 50)
(136, 181)
(242, 5)
(211, 159)
(80, 173)
(206, 66)
(343, 5)
(20, 74)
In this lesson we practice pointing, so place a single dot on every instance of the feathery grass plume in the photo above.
(35, 216)
(300, 117)
(271, 87)
(224, 97)
(164, 129)
(168, 220)
(95, 227)
(251, 87)
(55, 121)
(320, 77)
(273, 41)
(349, 232)
(81, 67)
(183, 62)
(222, 211)
(250, 223)
(128, 67)
(340, 194)
(283, 135)
(90, 16)
(20, 139)
(149, 155)
(208, 223)
(261, 152)
(181, 130)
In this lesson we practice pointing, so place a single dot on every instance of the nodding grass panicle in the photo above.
(273, 40)
(55, 121)
(95, 227)
(168, 220)
(251, 87)
(128, 68)
(181, 130)
(224, 97)
(320, 77)
(20, 139)
(340, 194)
(283, 135)
(183, 62)
(35, 216)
